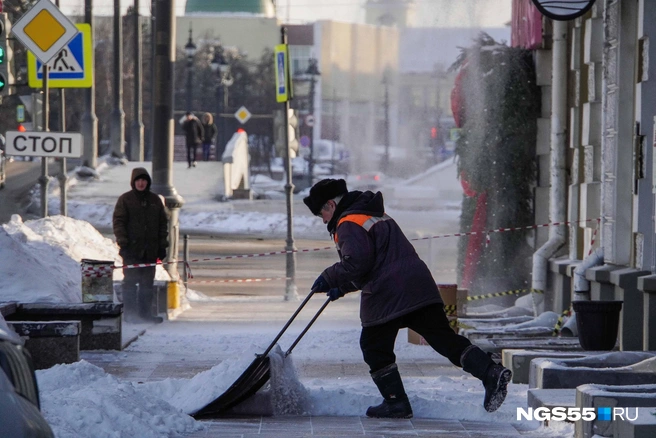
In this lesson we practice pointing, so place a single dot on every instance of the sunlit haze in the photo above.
(439, 13)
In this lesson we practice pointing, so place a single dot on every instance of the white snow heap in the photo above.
(40, 259)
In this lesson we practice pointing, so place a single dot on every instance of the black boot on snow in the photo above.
(496, 386)
(395, 403)
(495, 377)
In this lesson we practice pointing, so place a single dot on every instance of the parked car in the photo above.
(20, 414)
(332, 153)
(366, 181)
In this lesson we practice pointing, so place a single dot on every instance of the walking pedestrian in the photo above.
(209, 132)
(140, 223)
(193, 130)
(398, 291)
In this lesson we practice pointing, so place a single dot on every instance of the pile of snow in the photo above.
(81, 400)
(40, 259)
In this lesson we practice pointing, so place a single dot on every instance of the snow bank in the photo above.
(40, 259)
(81, 400)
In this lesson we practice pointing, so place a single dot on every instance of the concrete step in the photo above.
(616, 368)
(519, 360)
(644, 426)
(621, 402)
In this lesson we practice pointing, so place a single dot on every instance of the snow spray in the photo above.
(288, 395)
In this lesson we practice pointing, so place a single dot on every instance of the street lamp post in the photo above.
(117, 131)
(221, 66)
(313, 71)
(386, 83)
(190, 50)
(137, 128)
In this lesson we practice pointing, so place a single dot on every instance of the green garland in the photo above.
(496, 154)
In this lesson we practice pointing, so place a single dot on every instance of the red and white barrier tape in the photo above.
(238, 280)
(594, 236)
(92, 270)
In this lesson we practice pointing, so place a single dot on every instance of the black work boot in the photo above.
(395, 403)
(145, 301)
(495, 377)
(130, 312)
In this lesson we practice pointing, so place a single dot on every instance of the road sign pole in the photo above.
(89, 122)
(117, 129)
(63, 177)
(137, 131)
(43, 180)
(290, 290)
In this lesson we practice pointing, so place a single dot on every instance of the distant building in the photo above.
(349, 101)
(250, 25)
(399, 13)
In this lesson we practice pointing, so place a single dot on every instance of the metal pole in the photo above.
(332, 155)
(117, 130)
(185, 251)
(311, 161)
(89, 122)
(148, 154)
(137, 127)
(219, 121)
(163, 83)
(290, 290)
(190, 75)
(43, 179)
(387, 126)
(63, 177)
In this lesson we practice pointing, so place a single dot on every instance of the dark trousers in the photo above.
(206, 151)
(138, 290)
(377, 342)
(191, 153)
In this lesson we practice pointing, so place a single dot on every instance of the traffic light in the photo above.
(6, 55)
(279, 132)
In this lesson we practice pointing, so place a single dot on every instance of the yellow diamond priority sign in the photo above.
(243, 115)
(44, 30)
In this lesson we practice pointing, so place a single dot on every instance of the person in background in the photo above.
(193, 130)
(140, 224)
(209, 132)
(398, 291)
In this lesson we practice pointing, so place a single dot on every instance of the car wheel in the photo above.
(16, 362)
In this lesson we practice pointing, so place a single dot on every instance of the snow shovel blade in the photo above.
(256, 375)
(250, 381)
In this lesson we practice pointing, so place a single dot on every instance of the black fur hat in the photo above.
(324, 191)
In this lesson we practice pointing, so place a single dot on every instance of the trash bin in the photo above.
(97, 280)
(597, 323)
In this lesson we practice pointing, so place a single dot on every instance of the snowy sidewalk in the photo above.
(327, 365)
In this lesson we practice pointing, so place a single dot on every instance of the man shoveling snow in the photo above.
(398, 291)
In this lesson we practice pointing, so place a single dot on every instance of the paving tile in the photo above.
(388, 427)
(481, 428)
(426, 427)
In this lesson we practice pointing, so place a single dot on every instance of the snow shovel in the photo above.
(257, 373)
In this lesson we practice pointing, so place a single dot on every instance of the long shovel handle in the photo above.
(307, 327)
(305, 301)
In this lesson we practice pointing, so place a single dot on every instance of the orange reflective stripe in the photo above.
(359, 219)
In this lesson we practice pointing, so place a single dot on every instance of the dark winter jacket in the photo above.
(140, 223)
(193, 130)
(375, 256)
(209, 132)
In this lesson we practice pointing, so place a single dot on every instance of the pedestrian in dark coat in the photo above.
(140, 223)
(194, 135)
(398, 291)
(209, 132)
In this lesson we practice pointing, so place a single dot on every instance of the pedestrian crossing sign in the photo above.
(72, 67)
